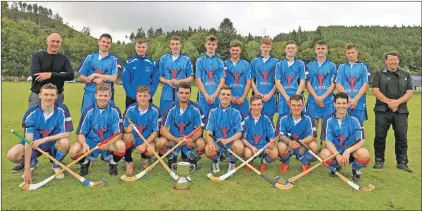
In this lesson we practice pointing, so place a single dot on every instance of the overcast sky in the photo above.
(121, 18)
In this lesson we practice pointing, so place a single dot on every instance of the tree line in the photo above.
(25, 27)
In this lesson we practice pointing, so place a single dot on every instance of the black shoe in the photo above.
(184, 158)
(379, 164)
(333, 174)
(194, 162)
(223, 158)
(18, 168)
(356, 175)
(113, 169)
(171, 162)
(84, 169)
(404, 167)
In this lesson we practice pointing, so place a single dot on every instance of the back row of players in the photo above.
(222, 105)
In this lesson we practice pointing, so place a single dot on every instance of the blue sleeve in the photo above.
(302, 71)
(277, 75)
(161, 67)
(248, 71)
(270, 129)
(84, 124)
(283, 127)
(221, 73)
(365, 74)
(357, 129)
(117, 122)
(198, 72)
(28, 122)
(154, 80)
(155, 121)
(245, 128)
(198, 119)
(167, 117)
(128, 113)
(189, 69)
(333, 73)
(68, 119)
(210, 123)
(307, 72)
(237, 121)
(368, 70)
(327, 131)
(252, 68)
(127, 85)
(308, 127)
(61, 124)
(114, 67)
(85, 66)
(340, 74)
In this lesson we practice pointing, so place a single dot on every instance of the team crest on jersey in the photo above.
(99, 71)
(141, 128)
(181, 126)
(256, 139)
(44, 133)
(210, 74)
(173, 73)
(101, 132)
(341, 139)
(147, 69)
(289, 78)
(321, 78)
(224, 132)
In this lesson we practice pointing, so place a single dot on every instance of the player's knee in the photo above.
(120, 146)
(273, 154)
(11, 155)
(200, 143)
(161, 143)
(237, 147)
(63, 145)
(325, 153)
(247, 153)
(362, 153)
(74, 149)
(313, 146)
(127, 138)
(282, 147)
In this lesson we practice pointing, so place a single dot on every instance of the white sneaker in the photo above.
(215, 167)
(231, 167)
(59, 176)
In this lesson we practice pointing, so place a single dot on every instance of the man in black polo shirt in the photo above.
(392, 87)
(49, 66)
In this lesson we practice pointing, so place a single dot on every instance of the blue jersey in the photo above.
(210, 70)
(181, 123)
(105, 66)
(174, 103)
(59, 121)
(147, 122)
(298, 130)
(258, 132)
(263, 73)
(140, 71)
(179, 69)
(290, 76)
(321, 77)
(99, 124)
(343, 132)
(237, 75)
(224, 123)
(352, 77)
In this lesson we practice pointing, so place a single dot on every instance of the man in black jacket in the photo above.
(49, 66)
(392, 87)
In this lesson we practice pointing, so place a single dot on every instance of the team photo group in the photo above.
(232, 119)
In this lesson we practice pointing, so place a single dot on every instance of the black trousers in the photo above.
(383, 120)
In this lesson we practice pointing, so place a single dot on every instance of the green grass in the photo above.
(395, 190)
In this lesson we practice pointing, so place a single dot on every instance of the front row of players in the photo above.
(49, 126)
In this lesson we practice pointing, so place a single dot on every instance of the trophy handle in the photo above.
(172, 167)
(193, 168)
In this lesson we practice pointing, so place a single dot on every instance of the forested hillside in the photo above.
(25, 27)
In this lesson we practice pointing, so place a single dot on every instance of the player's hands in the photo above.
(234, 100)
(253, 149)
(141, 148)
(271, 146)
(320, 101)
(294, 145)
(212, 98)
(222, 141)
(188, 142)
(98, 81)
(352, 103)
(42, 76)
(104, 146)
(339, 158)
(240, 100)
(393, 104)
(212, 146)
(345, 158)
(267, 97)
(27, 175)
(287, 98)
(85, 147)
(35, 144)
(129, 129)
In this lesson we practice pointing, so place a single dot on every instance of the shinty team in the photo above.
(242, 124)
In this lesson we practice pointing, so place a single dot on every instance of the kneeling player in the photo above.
(341, 130)
(49, 124)
(145, 116)
(258, 130)
(99, 122)
(225, 123)
(295, 126)
(178, 122)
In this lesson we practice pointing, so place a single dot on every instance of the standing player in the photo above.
(99, 121)
(238, 77)
(320, 85)
(180, 120)
(258, 130)
(341, 130)
(262, 72)
(289, 77)
(146, 118)
(174, 69)
(140, 70)
(98, 68)
(48, 125)
(209, 76)
(225, 123)
(295, 125)
(353, 78)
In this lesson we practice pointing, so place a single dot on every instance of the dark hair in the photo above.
(176, 38)
(341, 95)
(140, 41)
(296, 97)
(184, 85)
(321, 42)
(107, 36)
(211, 38)
(350, 46)
(256, 97)
(266, 41)
(392, 53)
(290, 42)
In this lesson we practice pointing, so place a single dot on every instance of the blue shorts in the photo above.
(243, 108)
(178, 149)
(223, 150)
(283, 107)
(164, 105)
(207, 107)
(316, 112)
(105, 154)
(89, 99)
(269, 107)
(49, 147)
(361, 115)
(296, 152)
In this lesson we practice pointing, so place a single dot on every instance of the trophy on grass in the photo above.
(183, 170)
